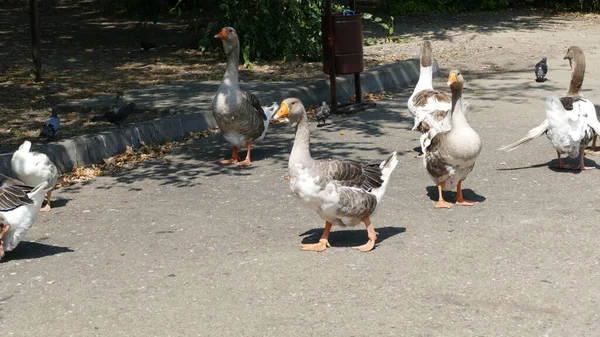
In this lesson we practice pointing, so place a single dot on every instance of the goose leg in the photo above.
(559, 165)
(592, 150)
(234, 157)
(581, 157)
(372, 236)
(47, 208)
(441, 202)
(323, 242)
(5, 228)
(246, 161)
(459, 197)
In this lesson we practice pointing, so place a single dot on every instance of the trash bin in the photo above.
(348, 47)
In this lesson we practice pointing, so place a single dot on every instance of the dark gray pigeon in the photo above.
(147, 45)
(541, 69)
(116, 116)
(322, 113)
(51, 125)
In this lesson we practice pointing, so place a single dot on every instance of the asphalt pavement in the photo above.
(187, 247)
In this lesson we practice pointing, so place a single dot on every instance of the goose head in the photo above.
(574, 54)
(229, 37)
(25, 147)
(455, 80)
(292, 110)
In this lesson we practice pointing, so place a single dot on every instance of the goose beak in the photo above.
(283, 111)
(451, 78)
(222, 34)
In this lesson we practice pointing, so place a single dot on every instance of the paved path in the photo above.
(192, 248)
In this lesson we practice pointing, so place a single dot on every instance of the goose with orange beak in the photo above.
(239, 115)
(451, 155)
(341, 192)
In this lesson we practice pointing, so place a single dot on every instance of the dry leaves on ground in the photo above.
(130, 157)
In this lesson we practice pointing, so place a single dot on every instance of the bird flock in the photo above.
(341, 192)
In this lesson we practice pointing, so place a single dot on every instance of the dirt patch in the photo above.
(86, 54)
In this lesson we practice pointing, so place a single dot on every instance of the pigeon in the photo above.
(147, 45)
(541, 68)
(116, 116)
(51, 125)
(322, 114)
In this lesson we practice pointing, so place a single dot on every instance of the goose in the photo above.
(571, 124)
(451, 155)
(19, 208)
(51, 125)
(239, 115)
(33, 168)
(429, 107)
(342, 192)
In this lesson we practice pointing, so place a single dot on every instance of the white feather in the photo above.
(22, 218)
(33, 168)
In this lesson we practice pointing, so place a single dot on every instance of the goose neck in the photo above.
(230, 78)
(301, 149)
(577, 75)
(425, 79)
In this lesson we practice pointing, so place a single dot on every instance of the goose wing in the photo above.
(13, 194)
(253, 101)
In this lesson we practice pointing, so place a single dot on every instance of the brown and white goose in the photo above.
(571, 121)
(238, 113)
(451, 155)
(342, 192)
(429, 107)
(19, 208)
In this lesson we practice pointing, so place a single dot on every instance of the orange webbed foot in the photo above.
(316, 247)
(444, 204)
(367, 246)
(464, 202)
(246, 162)
(228, 161)
(46, 208)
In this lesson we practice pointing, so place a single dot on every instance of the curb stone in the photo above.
(195, 98)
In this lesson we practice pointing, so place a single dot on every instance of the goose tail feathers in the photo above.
(533, 133)
(387, 167)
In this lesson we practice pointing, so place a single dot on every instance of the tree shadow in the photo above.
(468, 194)
(34, 250)
(351, 238)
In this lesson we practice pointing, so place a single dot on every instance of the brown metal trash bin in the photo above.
(348, 48)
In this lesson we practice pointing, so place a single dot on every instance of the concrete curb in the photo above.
(92, 149)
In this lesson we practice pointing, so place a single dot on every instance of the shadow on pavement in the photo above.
(34, 250)
(351, 238)
(468, 194)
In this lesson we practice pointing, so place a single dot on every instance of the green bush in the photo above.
(268, 29)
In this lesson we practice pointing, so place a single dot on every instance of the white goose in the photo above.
(238, 113)
(19, 208)
(429, 107)
(343, 193)
(33, 168)
(571, 121)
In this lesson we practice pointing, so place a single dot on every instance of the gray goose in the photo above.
(342, 192)
(571, 120)
(238, 113)
(451, 155)
(429, 107)
(19, 208)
